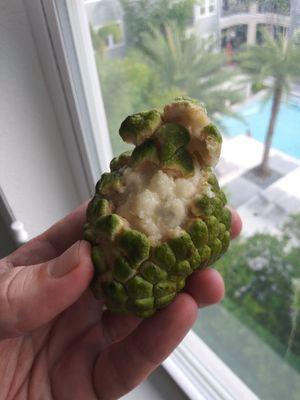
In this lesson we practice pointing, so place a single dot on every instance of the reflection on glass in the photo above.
(148, 52)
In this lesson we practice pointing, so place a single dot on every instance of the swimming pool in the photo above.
(287, 130)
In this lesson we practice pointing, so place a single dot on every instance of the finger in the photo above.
(52, 242)
(32, 296)
(67, 231)
(236, 223)
(116, 327)
(73, 323)
(206, 287)
(125, 364)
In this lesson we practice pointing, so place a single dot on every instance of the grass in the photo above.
(249, 351)
(263, 333)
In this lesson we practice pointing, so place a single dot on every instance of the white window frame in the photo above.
(67, 59)
(73, 86)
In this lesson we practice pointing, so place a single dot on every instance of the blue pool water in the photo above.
(287, 131)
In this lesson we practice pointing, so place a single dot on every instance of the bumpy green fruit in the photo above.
(159, 214)
(139, 127)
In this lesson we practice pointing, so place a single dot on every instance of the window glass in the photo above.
(211, 6)
(202, 7)
(248, 76)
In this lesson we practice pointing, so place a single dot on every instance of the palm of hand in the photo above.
(68, 348)
(72, 357)
(86, 354)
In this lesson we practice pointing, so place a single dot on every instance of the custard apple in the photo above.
(160, 213)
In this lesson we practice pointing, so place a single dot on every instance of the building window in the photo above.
(205, 8)
(202, 7)
(211, 6)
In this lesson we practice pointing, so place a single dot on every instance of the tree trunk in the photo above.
(274, 113)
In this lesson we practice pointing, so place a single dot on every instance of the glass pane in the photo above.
(202, 6)
(211, 6)
(248, 76)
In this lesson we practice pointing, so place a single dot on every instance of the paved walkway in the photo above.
(262, 209)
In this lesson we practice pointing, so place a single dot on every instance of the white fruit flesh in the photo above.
(156, 203)
(189, 115)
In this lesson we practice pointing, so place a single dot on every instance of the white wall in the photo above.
(34, 173)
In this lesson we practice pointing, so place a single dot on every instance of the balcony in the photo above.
(234, 7)
(272, 8)
(254, 15)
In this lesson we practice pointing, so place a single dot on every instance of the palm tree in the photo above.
(191, 65)
(279, 61)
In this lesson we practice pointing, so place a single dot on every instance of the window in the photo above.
(202, 7)
(211, 6)
(252, 339)
(205, 8)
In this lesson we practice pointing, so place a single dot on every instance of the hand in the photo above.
(57, 343)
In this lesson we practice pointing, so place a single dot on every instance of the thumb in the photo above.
(32, 296)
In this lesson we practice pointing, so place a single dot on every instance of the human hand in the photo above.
(56, 342)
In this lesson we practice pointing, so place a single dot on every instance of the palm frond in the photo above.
(191, 65)
(276, 58)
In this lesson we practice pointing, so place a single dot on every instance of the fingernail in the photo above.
(65, 263)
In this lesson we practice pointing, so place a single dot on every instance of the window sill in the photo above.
(202, 375)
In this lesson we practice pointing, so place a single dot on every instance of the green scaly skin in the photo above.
(130, 274)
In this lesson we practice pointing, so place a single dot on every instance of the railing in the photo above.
(230, 9)
(273, 9)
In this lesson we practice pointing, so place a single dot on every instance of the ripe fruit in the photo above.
(160, 213)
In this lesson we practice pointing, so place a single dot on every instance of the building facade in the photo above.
(225, 21)
(238, 22)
